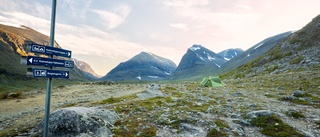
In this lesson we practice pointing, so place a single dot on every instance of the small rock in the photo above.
(252, 105)
(307, 99)
(125, 128)
(288, 98)
(191, 131)
(259, 113)
(241, 122)
(281, 88)
(138, 134)
(13, 95)
(308, 134)
(174, 99)
(198, 104)
(154, 86)
(234, 116)
(298, 93)
(237, 94)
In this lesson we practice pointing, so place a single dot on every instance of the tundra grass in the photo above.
(273, 126)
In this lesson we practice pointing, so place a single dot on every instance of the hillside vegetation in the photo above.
(13, 76)
(299, 52)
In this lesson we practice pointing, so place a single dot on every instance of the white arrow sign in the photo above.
(66, 74)
(30, 60)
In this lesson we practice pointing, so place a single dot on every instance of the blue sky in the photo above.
(104, 33)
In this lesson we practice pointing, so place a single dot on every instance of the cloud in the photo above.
(87, 40)
(115, 17)
(82, 40)
(30, 7)
(40, 24)
(179, 26)
(76, 8)
(159, 37)
(201, 13)
(185, 3)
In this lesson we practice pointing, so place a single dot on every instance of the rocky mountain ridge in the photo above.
(230, 53)
(12, 42)
(196, 60)
(298, 52)
(85, 67)
(252, 53)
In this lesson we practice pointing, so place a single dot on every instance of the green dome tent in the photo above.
(211, 82)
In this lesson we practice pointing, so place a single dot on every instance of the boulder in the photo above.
(150, 94)
(80, 121)
(152, 91)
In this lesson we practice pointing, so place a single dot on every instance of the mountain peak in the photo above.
(144, 52)
(195, 47)
(197, 60)
(144, 66)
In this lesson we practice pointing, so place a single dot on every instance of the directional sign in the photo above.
(48, 62)
(48, 50)
(47, 73)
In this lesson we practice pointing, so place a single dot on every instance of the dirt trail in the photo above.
(13, 112)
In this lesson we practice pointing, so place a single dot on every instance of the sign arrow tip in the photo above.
(30, 60)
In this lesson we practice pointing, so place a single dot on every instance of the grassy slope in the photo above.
(12, 74)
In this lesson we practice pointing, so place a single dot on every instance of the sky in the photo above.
(104, 33)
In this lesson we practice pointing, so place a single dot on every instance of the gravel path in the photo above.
(17, 113)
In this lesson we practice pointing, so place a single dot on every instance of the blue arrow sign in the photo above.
(47, 73)
(48, 50)
(48, 62)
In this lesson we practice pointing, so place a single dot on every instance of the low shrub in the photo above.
(4, 95)
(296, 60)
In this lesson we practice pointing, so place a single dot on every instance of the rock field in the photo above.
(269, 105)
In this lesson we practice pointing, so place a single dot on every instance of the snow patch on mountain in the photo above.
(258, 46)
(210, 58)
(168, 73)
(139, 77)
(155, 77)
(225, 53)
(199, 56)
(228, 54)
(194, 48)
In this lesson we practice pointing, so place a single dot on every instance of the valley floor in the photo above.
(186, 109)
